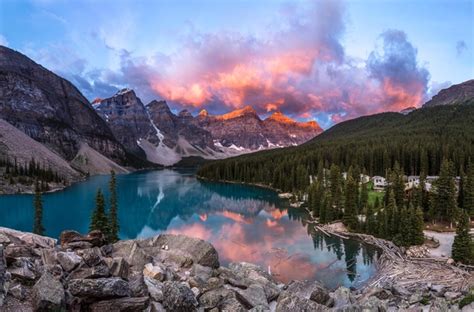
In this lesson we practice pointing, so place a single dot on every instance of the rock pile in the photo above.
(168, 273)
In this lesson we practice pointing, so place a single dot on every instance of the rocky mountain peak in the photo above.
(455, 94)
(280, 117)
(311, 124)
(203, 113)
(185, 114)
(245, 111)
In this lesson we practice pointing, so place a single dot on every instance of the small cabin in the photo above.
(379, 182)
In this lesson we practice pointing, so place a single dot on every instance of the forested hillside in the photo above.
(418, 141)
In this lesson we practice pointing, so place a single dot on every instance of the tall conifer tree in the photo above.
(38, 206)
(113, 213)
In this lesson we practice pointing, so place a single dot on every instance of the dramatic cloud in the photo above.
(461, 46)
(300, 68)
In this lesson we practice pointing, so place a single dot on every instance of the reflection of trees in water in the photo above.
(351, 249)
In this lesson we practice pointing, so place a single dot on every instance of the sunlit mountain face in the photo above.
(243, 223)
(328, 60)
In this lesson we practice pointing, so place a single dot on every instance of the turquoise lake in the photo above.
(244, 223)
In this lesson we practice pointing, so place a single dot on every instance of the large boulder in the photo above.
(178, 297)
(200, 251)
(4, 277)
(131, 252)
(137, 304)
(215, 298)
(247, 274)
(48, 294)
(292, 303)
(118, 267)
(307, 290)
(23, 270)
(25, 238)
(74, 240)
(99, 288)
(253, 296)
(68, 260)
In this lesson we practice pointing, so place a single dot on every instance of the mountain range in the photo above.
(120, 132)
(154, 132)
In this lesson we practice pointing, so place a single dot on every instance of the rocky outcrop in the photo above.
(170, 273)
(51, 110)
(455, 94)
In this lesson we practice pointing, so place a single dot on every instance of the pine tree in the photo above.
(370, 221)
(113, 214)
(468, 194)
(38, 206)
(99, 218)
(390, 214)
(417, 226)
(364, 197)
(444, 206)
(350, 203)
(462, 250)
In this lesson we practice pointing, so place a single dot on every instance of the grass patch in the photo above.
(374, 194)
(466, 300)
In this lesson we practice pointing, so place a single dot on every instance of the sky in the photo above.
(327, 60)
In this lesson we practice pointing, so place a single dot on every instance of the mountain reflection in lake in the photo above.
(244, 223)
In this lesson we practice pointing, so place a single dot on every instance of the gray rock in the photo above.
(132, 253)
(137, 304)
(4, 277)
(293, 303)
(156, 307)
(342, 297)
(233, 305)
(439, 305)
(415, 297)
(99, 288)
(68, 260)
(30, 239)
(260, 309)
(91, 256)
(256, 275)
(215, 297)
(308, 290)
(452, 295)
(13, 252)
(48, 294)
(200, 251)
(49, 256)
(438, 290)
(349, 308)
(118, 267)
(468, 308)
(18, 291)
(374, 304)
(4, 240)
(155, 288)
(252, 296)
(137, 285)
(157, 272)
(401, 291)
(178, 297)
(319, 294)
(23, 270)
(83, 271)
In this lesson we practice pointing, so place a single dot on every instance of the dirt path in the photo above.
(446, 242)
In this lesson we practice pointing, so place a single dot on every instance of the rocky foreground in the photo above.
(172, 273)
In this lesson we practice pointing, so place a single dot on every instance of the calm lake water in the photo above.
(244, 223)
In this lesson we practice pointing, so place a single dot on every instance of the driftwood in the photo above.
(394, 268)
